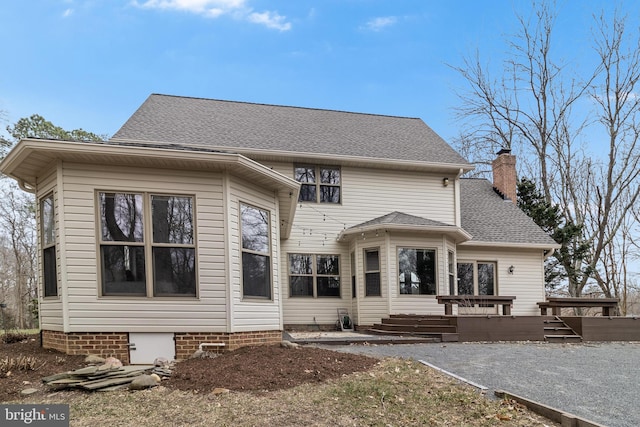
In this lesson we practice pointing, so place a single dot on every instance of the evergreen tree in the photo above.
(567, 262)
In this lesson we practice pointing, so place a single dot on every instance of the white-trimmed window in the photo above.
(147, 245)
(417, 271)
(320, 184)
(452, 272)
(256, 252)
(476, 278)
(372, 272)
(47, 228)
(314, 275)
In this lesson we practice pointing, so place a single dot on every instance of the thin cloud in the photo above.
(216, 8)
(67, 13)
(270, 20)
(378, 24)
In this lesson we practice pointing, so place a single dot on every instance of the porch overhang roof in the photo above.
(30, 158)
(400, 222)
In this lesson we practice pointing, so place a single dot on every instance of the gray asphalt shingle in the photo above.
(241, 125)
(489, 218)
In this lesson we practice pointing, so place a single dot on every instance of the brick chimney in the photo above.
(504, 175)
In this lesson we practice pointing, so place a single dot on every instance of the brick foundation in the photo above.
(115, 344)
(188, 342)
(103, 344)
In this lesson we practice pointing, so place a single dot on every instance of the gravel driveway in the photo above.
(596, 381)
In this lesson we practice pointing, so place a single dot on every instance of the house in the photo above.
(222, 223)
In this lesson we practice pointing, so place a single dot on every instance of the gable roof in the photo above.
(491, 220)
(399, 221)
(254, 128)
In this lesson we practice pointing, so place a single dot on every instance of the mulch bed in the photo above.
(265, 368)
(256, 369)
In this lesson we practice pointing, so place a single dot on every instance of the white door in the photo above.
(144, 347)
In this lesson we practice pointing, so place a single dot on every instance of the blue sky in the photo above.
(90, 63)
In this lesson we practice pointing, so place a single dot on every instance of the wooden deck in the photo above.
(492, 328)
(556, 304)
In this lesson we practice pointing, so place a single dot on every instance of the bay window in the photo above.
(147, 245)
(417, 271)
(49, 258)
(256, 252)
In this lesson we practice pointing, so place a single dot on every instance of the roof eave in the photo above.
(521, 245)
(40, 153)
(296, 156)
(457, 233)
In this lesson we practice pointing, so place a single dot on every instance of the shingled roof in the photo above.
(491, 219)
(245, 126)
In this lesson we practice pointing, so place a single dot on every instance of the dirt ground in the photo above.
(264, 368)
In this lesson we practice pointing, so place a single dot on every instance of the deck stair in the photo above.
(555, 330)
(440, 328)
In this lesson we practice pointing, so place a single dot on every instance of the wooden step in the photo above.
(415, 328)
(436, 336)
(558, 330)
(563, 338)
(415, 321)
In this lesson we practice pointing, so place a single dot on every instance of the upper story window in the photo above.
(142, 257)
(256, 252)
(320, 184)
(47, 227)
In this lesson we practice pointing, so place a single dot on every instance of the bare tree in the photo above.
(532, 110)
(17, 220)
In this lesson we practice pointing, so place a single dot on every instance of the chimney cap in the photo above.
(504, 151)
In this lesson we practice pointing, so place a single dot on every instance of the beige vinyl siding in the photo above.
(89, 312)
(366, 193)
(527, 281)
(371, 309)
(50, 308)
(252, 314)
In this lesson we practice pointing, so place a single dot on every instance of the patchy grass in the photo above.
(394, 393)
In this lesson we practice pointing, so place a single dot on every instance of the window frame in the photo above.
(314, 275)
(148, 246)
(266, 254)
(318, 184)
(475, 275)
(435, 271)
(49, 290)
(367, 272)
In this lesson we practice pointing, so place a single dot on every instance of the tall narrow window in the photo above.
(353, 275)
(174, 253)
(328, 280)
(417, 271)
(319, 184)
(49, 271)
(301, 275)
(372, 272)
(452, 273)
(122, 250)
(256, 252)
(465, 278)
